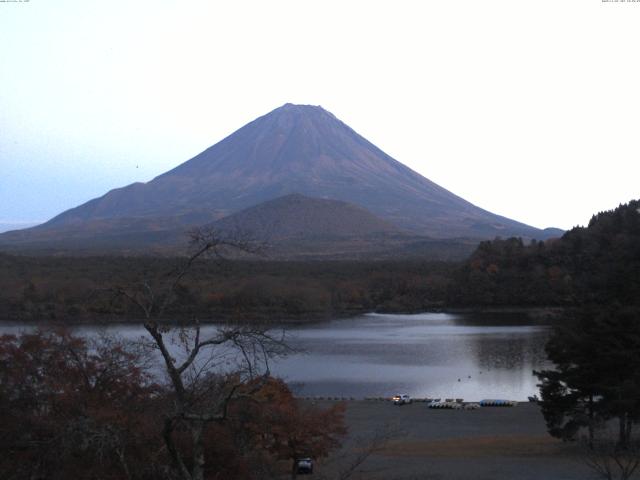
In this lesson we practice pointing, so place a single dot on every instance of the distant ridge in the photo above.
(297, 227)
(8, 226)
(293, 149)
(299, 217)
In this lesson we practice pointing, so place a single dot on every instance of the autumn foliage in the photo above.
(69, 406)
(77, 408)
(286, 430)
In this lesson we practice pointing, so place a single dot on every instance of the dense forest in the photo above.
(600, 259)
(600, 262)
(80, 289)
(592, 394)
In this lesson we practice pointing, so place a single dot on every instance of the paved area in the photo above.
(491, 443)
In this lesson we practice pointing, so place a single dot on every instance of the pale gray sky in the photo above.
(529, 109)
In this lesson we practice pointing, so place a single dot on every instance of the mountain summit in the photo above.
(293, 149)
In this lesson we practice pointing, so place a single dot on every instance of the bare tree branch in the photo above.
(611, 461)
(199, 396)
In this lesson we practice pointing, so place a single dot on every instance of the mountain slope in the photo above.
(293, 149)
(299, 217)
(302, 228)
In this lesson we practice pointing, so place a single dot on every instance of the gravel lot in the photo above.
(491, 443)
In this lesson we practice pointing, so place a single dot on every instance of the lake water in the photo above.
(425, 355)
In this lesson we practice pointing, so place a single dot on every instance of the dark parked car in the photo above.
(304, 466)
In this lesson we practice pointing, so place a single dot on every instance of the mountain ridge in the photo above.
(292, 149)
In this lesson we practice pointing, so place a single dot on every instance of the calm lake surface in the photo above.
(425, 355)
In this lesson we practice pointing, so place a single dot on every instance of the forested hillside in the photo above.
(587, 265)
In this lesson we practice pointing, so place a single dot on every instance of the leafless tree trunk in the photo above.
(197, 400)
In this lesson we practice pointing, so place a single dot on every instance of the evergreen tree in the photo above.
(597, 374)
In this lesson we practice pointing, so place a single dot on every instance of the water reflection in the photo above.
(440, 355)
(437, 354)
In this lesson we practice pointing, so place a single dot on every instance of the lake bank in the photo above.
(497, 443)
(537, 315)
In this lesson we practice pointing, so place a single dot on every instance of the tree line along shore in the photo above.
(593, 264)
(77, 290)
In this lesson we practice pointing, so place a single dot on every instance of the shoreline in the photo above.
(543, 315)
(497, 443)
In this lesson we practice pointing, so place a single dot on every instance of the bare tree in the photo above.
(207, 370)
(611, 461)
